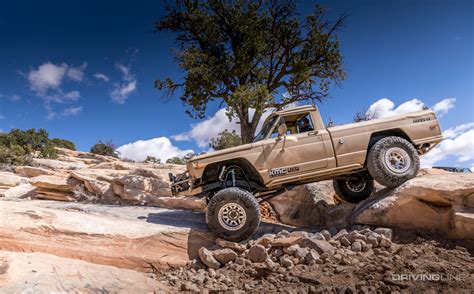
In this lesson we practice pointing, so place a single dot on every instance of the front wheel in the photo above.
(354, 188)
(393, 161)
(233, 214)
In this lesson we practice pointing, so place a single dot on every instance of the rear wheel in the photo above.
(393, 161)
(233, 214)
(354, 188)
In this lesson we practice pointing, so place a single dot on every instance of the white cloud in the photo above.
(160, 147)
(76, 73)
(72, 111)
(122, 90)
(442, 107)
(101, 76)
(458, 143)
(47, 76)
(50, 76)
(204, 131)
(385, 107)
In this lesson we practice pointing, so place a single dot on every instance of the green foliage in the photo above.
(57, 142)
(17, 147)
(176, 160)
(106, 148)
(152, 159)
(225, 140)
(246, 53)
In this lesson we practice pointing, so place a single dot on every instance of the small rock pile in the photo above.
(362, 260)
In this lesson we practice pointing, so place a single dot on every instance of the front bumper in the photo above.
(183, 185)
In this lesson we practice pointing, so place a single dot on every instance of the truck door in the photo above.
(301, 153)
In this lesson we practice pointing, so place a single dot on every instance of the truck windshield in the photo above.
(266, 129)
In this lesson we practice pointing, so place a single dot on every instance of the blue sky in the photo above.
(57, 55)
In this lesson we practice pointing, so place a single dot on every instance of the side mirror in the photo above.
(282, 130)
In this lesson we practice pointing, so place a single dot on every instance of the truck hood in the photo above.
(213, 154)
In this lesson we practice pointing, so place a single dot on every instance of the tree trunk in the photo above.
(247, 131)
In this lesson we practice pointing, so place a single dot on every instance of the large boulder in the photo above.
(35, 272)
(8, 180)
(55, 187)
(20, 191)
(31, 171)
(139, 189)
(58, 164)
(305, 205)
(442, 202)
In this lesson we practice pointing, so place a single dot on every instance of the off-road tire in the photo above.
(345, 193)
(382, 171)
(239, 198)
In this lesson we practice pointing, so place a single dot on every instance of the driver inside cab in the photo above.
(304, 126)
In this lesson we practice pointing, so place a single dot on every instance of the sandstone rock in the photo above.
(208, 259)
(318, 245)
(266, 240)
(302, 206)
(231, 245)
(354, 235)
(8, 180)
(286, 262)
(291, 249)
(356, 246)
(344, 241)
(425, 202)
(326, 234)
(136, 238)
(312, 256)
(58, 164)
(140, 190)
(55, 183)
(257, 253)
(20, 191)
(385, 242)
(386, 232)
(30, 171)
(224, 255)
(285, 242)
(300, 252)
(46, 273)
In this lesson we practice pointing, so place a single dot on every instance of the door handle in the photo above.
(312, 133)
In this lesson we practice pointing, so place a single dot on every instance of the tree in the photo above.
(225, 140)
(175, 160)
(364, 116)
(245, 54)
(152, 159)
(106, 148)
(57, 142)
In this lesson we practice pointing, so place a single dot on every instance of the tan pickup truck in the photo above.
(294, 147)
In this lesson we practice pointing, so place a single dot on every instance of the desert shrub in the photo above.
(106, 148)
(152, 159)
(57, 142)
(225, 140)
(17, 147)
(176, 160)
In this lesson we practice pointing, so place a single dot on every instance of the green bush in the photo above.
(57, 142)
(17, 147)
(106, 148)
(176, 160)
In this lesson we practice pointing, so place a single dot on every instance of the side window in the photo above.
(305, 123)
